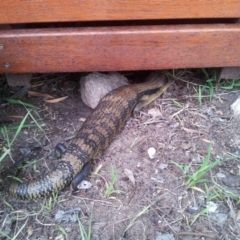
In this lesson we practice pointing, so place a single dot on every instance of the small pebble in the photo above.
(221, 175)
(151, 152)
(192, 209)
(84, 185)
(212, 207)
(164, 236)
(154, 112)
(163, 166)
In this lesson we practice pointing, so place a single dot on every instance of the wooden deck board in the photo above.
(119, 48)
(19, 11)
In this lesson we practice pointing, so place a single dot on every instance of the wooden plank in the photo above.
(119, 48)
(19, 11)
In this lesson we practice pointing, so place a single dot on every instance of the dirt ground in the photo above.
(159, 205)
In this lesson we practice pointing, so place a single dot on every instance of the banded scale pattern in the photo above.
(95, 135)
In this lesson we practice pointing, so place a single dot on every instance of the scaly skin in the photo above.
(95, 135)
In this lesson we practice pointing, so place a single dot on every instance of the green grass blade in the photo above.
(24, 126)
(4, 234)
(4, 154)
(177, 103)
(14, 101)
(19, 128)
(82, 230)
(137, 216)
(90, 225)
(38, 125)
(205, 73)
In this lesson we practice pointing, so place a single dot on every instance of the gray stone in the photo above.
(229, 73)
(164, 236)
(18, 79)
(96, 85)
(220, 218)
(66, 216)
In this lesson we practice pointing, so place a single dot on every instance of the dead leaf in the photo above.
(219, 112)
(38, 94)
(206, 140)
(30, 231)
(99, 167)
(130, 175)
(37, 85)
(56, 100)
(238, 215)
(198, 189)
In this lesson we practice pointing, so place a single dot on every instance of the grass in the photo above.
(197, 180)
(62, 230)
(2, 233)
(10, 139)
(197, 177)
(85, 234)
(212, 190)
(212, 83)
(5, 153)
(5, 131)
(144, 211)
(230, 84)
(110, 185)
(31, 164)
(15, 216)
(203, 212)
(210, 75)
(9, 205)
(205, 167)
(177, 104)
(18, 102)
(184, 168)
(50, 203)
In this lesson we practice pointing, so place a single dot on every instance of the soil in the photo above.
(156, 204)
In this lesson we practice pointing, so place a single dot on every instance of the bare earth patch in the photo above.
(159, 205)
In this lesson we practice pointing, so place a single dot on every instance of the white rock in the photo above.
(236, 107)
(238, 215)
(151, 152)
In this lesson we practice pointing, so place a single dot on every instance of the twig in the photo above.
(195, 234)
